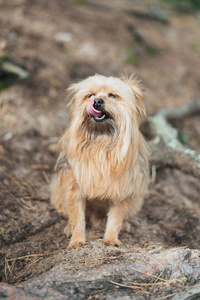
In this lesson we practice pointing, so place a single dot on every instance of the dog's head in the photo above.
(106, 105)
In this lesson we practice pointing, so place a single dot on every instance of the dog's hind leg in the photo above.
(126, 226)
(67, 230)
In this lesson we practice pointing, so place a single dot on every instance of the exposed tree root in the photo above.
(166, 146)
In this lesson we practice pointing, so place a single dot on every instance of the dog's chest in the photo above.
(97, 179)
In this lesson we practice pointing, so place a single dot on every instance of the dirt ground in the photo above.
(60, 42)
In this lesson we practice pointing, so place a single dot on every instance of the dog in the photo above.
(103, 157)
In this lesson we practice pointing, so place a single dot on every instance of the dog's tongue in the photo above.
(92, 112)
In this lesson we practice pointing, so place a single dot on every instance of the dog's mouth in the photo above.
(99, 115)
(100, 119)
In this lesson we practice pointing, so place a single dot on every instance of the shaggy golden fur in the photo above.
(102, 165)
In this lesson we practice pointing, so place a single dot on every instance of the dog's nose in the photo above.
(98, 103)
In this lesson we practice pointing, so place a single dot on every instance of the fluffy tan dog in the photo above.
(103, 160)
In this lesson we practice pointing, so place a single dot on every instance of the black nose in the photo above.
(98, 103)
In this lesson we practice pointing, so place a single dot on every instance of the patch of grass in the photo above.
(2, 229)
(133, 59)
(4, 57)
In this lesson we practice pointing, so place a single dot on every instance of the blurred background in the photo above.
(45, 45)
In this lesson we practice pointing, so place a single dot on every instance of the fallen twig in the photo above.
(7, 266)
(147, 284)
(35, 198)
(33, 255)
(93, 261)
(9, 67)
(24, 185)
(153, 174)
(126, 286)
(37, 256)
(153, 276)
(28, 205)
(46, 178)
(166, 297)
(32, 263)
(40, 167)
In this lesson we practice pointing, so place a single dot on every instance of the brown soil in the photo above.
(103, 36)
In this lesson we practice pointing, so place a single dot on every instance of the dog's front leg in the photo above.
(116, 216)
(76, 210)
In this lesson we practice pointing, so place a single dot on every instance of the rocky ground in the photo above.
(57, 43)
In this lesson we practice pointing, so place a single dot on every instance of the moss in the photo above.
(183, 138)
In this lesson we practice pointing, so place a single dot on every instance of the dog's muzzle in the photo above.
(95, 109)
(98, 104)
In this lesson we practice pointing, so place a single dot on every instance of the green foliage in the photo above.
(4, 84)
(185, 279)
(12, 208)
(4, 57)
(9, 72)
(133, 59)
(194, 3)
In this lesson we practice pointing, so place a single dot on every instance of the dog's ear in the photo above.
(72, 90)
(134, 84)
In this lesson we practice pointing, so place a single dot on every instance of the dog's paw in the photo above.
(67, 230)
(75, 244)
(112, 242)
(77, 240)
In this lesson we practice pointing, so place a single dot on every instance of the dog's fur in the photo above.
(102, 166)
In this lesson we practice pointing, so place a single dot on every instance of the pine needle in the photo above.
(153, 276)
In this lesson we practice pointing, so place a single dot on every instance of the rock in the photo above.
(190, 294)
(63, 283)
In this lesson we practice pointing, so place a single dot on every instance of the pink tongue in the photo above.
(92, 112)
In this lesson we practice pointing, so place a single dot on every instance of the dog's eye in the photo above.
(90, 95)
(113, 95)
